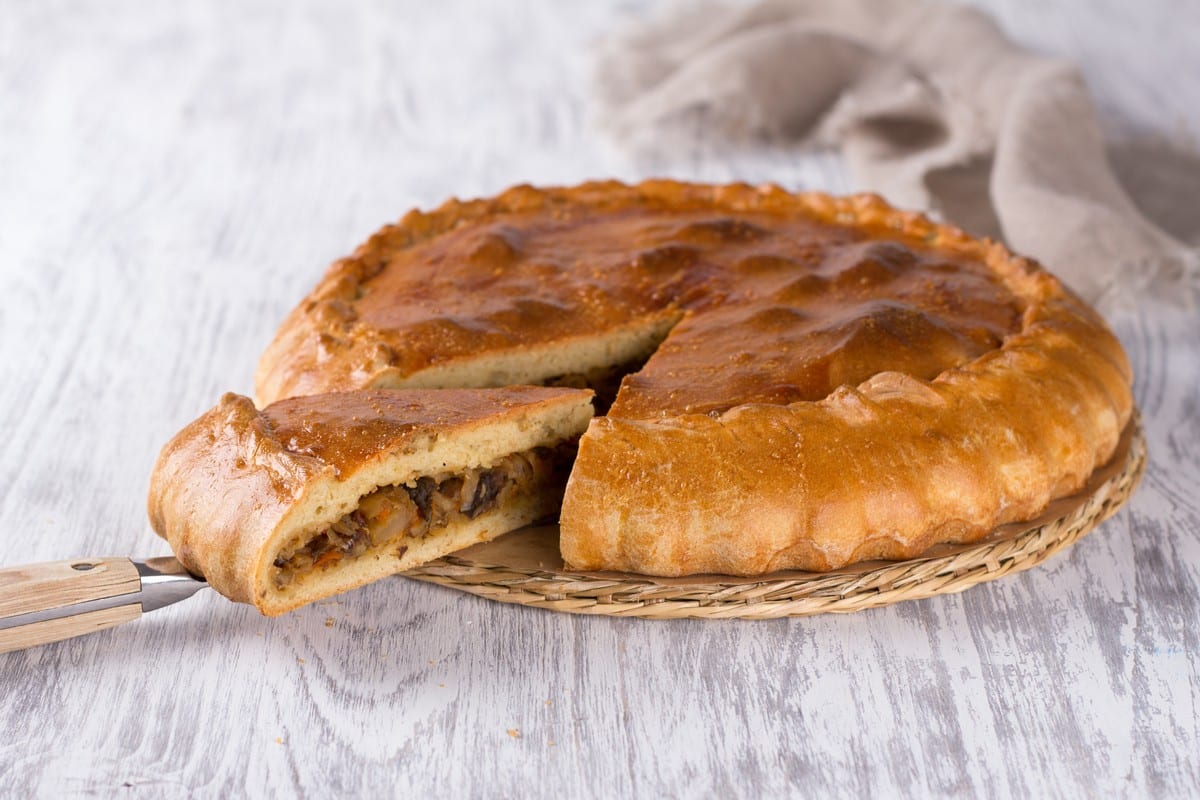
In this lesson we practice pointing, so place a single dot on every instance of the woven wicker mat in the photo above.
(525, 567)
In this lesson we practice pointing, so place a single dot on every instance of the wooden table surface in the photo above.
(175, 176)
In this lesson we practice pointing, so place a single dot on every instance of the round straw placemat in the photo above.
(524, 566)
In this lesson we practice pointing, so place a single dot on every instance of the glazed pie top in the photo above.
(809, 381)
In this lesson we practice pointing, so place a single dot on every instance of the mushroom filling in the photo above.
(399, 514)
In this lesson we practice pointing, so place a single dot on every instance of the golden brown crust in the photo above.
(223, 487)
(884, 470)
(845, 380)
(810, 286)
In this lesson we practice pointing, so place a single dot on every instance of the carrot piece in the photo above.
(330, 557)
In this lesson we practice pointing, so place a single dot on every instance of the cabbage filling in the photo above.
(399, 514)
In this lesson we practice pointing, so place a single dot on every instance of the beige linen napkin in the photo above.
(931, 105)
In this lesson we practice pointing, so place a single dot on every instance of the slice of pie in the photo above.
(804, 381)
(315, 495)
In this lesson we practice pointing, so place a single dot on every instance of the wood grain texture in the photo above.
(39, 587)
(175, 176)
(56, 630)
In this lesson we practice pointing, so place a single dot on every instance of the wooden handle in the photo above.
(42, 603)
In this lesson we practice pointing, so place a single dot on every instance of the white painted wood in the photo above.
(173, 178)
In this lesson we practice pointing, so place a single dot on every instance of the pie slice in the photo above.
(316, 495)
(808, 381)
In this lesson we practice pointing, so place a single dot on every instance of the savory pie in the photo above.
(315, 495)
(804, 381)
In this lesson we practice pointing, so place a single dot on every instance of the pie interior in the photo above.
(398, 516)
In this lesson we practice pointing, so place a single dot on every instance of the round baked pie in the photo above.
(787, 381)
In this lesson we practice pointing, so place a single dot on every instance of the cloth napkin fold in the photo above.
(931, 105)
